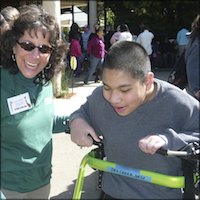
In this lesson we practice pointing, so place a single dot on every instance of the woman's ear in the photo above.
(14, 49)
(149, 80)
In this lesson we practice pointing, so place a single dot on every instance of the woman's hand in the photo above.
(82, 133)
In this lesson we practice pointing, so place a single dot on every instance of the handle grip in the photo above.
(162, 151)
(183, 154)
(99, 144)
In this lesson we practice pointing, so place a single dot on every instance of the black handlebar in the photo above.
(189, 152)
(97, 143)
(172, 153)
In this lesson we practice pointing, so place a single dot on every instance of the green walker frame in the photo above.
(106, 166)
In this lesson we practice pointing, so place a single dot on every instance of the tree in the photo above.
(163, 17)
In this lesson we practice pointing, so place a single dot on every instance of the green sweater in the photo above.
(26, 137)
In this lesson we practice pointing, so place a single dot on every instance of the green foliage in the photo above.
(164, 17)
(110, 16)
(69, 77)
(65, 30)
(64, 84)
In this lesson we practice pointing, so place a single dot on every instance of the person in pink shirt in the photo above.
(75, 50)
(123, 33)
(115, 36)
(96, 51)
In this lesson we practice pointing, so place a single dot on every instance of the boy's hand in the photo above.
(81, 133)
(151, 143)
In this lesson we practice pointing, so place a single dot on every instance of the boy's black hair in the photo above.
(130, 57)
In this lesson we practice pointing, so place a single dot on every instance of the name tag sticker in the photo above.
(129, 172)
(19, 103)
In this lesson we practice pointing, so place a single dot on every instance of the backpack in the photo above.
(178, 75)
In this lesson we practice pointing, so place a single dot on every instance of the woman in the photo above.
(75, 50)
(31, 53)
(192, 59)
(115, 36)
(96, 51)
(125, 33)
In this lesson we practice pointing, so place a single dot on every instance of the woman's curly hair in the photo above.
(34, 18)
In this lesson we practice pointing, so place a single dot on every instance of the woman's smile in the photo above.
(30, 65)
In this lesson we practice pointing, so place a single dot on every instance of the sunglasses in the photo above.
(29, 46)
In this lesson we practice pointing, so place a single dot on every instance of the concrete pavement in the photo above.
(67, 155)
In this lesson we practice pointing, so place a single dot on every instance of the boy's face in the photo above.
(124, 92)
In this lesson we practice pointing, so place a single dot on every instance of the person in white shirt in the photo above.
(145, 39)
(123, 33)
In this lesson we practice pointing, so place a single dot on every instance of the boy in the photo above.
(136, 114)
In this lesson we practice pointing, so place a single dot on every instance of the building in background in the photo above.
(75, 8)
(80, 17)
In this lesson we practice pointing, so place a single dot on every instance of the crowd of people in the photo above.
(92, 46)
(129, 114)
(163, 54)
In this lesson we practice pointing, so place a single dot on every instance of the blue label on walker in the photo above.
(129, 172)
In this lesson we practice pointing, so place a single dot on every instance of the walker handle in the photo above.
(190, 152)
(99, 144)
